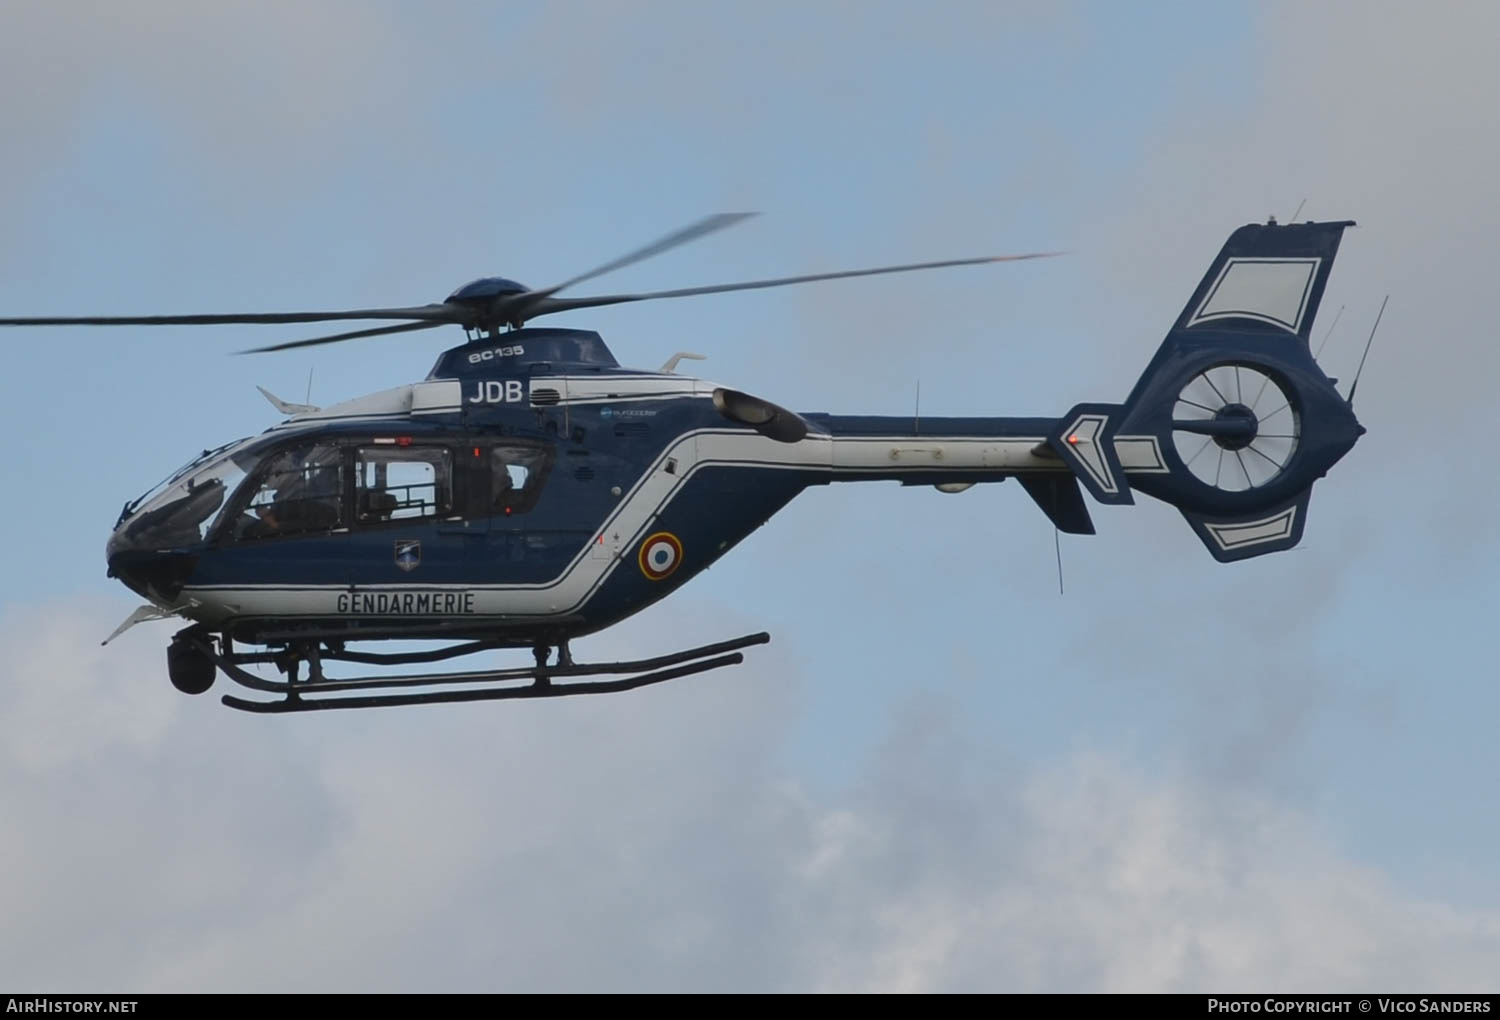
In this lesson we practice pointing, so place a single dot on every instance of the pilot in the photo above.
(265, 523)
(302, 498)
(277, 516)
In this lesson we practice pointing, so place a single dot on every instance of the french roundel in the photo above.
(660, 555)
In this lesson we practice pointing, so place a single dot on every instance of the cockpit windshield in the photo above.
(155, 490)
(180, 511)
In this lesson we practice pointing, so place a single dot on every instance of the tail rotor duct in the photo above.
(1235, 427)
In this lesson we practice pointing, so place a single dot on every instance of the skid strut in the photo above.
(490, 685)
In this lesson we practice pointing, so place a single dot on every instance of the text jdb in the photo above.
(496, 391)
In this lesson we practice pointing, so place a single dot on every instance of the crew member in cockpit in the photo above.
(303, 496)
(265, 523)
(272, 518)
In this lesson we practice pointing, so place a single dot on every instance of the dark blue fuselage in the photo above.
(637, 481)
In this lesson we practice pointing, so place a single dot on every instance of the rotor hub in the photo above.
(1236, 414)
(485, 297)
(484, 289)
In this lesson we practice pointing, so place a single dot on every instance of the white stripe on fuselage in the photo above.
(651, 495)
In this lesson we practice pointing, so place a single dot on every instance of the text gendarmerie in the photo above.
(406, 603)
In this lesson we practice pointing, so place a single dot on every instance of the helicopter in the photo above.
(531, 490)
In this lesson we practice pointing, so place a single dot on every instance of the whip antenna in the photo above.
(1362, 357)
(1057, 547)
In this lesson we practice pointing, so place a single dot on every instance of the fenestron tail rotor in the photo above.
(492, 304)
(1235, 427)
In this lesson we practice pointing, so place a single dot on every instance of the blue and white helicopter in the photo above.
(531, 490)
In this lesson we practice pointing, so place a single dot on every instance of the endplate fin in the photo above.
(1085, 439)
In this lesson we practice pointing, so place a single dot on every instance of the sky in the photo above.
(941, 775)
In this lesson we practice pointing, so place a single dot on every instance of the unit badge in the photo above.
(408, 554)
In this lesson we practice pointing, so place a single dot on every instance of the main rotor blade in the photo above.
(438, 313)
(549, 305)
(516, 309)
(707, 225)
(405, 327)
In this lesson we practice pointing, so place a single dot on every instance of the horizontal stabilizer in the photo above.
(1265, 531)
(1060, 500)
(1085, 440)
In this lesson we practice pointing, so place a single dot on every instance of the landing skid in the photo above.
(499, 684)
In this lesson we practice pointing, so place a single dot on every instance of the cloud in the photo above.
(1093, 877)
(653, 841)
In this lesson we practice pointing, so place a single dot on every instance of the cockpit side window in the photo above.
(402, 483)
(516, 476)
(300, 491)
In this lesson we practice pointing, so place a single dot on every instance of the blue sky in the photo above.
(941, 775)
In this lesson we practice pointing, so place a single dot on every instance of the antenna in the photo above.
(1057, 547)
(916, 413)
(1319, 352)
(1300, 204)
(1362, 357)
(308, 398)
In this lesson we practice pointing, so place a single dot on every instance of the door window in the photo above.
(516, 475)
(402, 483)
